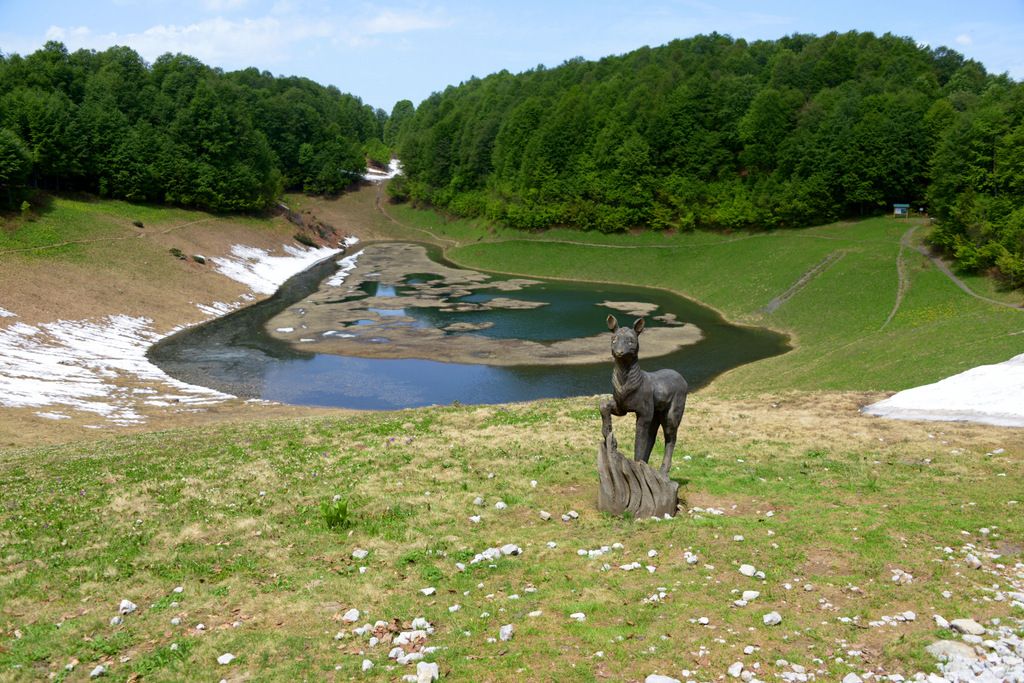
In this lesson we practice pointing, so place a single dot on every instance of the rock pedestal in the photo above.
(630, 487)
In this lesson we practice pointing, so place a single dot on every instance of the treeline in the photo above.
(175, 131)
(712, 132)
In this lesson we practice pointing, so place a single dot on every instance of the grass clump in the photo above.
(336, 513)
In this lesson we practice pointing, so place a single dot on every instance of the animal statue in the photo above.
(658, 398)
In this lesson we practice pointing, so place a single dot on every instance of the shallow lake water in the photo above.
(237, 354)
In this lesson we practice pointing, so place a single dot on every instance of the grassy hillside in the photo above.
(837, 315)
(821, 497)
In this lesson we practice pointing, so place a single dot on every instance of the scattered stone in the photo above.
(367, 665)
(939, 621)
(972, 561)
(535, 613)
(500, 505)
(429, 590)
(969, 626)
(658, 678)
(690, 558)
(511, 549)
(703, 621)
(127, 607)
(909, 616)
(226, 658)
(750, 595)
(506, 632)
(360, 554)
(747, 570)
(951, 649)
(772, 619)
(578, 616)
(116, 620)
(901, 577)
(478, 501)
(572, 514)
(351, 616)
(178, 589)
(454, 608)
(852, 678)
(545, 515)
(100, 670)
(475, 519)
(427, 672)
(735, 669)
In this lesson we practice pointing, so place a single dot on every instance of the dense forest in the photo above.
(176, 131)
(712, 132)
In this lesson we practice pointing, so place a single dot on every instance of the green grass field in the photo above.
(232, 515)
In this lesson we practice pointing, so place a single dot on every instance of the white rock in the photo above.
(500, 505)
(852, 678)
(226, 658)
(351, 616)
(475, 519)
(429, 590)
(427, 672)
(735, 669)
(909, 616)
(367, 665)
(360, 554)
(175, 621)
(750, 595)
(179, 589)
(703, 621)
(969, 626)
(506, 631)
(545, 515)
(100, 670)
(511, 549)
(972, 561)
(478, 501)
(116, 620)
(420, 624)
(749, 650)
(738, 539)
(454, 608)
(535, 613)
(939, 621)
(533, 483)
(578, 616)
(127, 607)
(772, 619)
(951, 649)
(200, 626)
(572, 514)
(658, 678)
(747, 570)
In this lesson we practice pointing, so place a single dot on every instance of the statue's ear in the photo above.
(613, 324)
(639, 325)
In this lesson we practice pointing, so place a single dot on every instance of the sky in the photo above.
(387, 51)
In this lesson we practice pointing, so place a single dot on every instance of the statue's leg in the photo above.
(606, 417)
(644, 443)
(670, 429)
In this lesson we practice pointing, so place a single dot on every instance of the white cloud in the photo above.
(964, 39)
(223, 5)
(401, 22)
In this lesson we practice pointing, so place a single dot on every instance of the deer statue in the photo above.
(658, 398)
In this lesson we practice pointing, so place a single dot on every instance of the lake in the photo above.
(395, 326)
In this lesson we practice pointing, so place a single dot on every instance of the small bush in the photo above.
(336, 513)
(177, 253)
(138, 224)
(303, 238)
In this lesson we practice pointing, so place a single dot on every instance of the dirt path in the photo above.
(804, 280)
(379, 204)
(944, 269)
(901, 275)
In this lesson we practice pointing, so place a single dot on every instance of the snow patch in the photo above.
(347, 265)
(989, 394)
(4, 313)
(217, 308)
(394, 168)
(72, 362)
(264, 273)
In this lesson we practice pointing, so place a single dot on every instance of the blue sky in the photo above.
(387, 51)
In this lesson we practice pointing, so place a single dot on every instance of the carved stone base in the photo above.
(628, 486)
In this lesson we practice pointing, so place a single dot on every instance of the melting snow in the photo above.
(72, 363)
(347, 265)
(264, 273)
(990, 394)
(394, 168)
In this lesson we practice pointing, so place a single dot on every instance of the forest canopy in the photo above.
(715, 132)
(175, 131)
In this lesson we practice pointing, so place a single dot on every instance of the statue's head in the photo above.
(625, 340)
